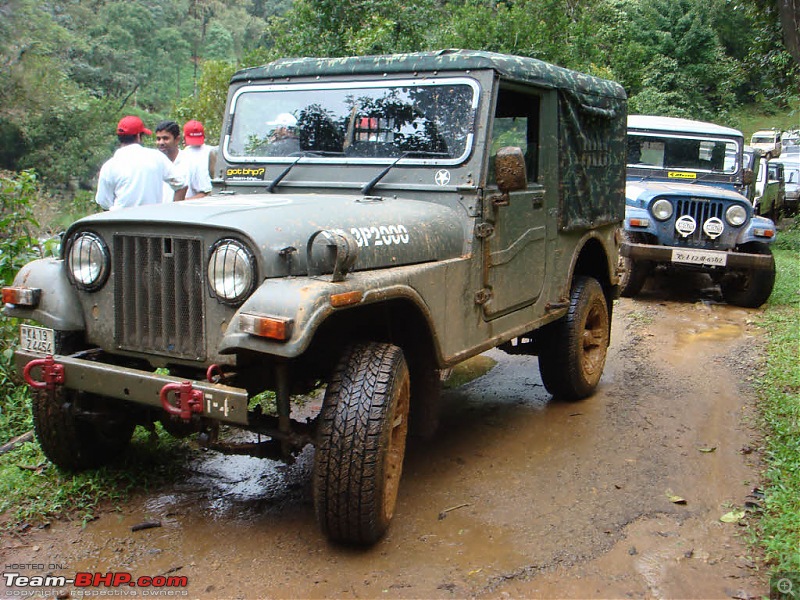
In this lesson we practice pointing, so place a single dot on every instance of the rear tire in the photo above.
(573, 354)
(361, 443)
(74, 443)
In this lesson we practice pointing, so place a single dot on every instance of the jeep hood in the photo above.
(388, 231)
(640, 193)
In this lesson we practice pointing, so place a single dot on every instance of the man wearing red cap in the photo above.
(196, 158)
(135, 174)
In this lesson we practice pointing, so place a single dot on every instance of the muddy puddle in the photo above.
(516, 497)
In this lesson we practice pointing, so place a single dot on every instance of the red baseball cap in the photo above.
(131, 125)
(193, 133)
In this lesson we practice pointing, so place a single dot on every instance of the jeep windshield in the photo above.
(420, 121)
(682, 153)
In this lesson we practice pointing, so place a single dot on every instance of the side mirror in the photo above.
(509, 170)
(748, 176)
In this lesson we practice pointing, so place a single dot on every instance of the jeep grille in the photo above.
(700, 211)
(158, 294)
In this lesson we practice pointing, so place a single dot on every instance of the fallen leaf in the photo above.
(710, 449)
(674, 498)
(733, 516)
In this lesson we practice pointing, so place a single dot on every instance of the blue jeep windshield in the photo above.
(709, 155)
(427, 120)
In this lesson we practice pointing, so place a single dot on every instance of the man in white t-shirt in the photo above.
(135, 175)
(195, 159)
(168, 138)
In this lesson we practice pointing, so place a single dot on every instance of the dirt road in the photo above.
(517, 497)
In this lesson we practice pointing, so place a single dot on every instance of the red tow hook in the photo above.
(214, 374)
(189, 400)
(52, 373)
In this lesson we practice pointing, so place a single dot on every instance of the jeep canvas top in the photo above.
(374, 220)
(685, 209)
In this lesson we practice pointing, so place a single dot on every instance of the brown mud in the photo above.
(516, 497)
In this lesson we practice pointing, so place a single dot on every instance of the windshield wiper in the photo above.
(274, 183)
(367, 188)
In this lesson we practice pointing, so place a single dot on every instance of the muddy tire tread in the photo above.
(347, 478)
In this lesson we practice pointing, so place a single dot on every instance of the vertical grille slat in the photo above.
(159, 295)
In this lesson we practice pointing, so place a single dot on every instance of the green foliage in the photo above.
(685, 72)
(18, 244)
(69, 70)
(208, 105)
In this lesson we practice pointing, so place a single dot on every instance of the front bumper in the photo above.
(85, 372)
(664, 254)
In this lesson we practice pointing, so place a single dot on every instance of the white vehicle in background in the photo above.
(791, 175)
(769, 199)
(769, 141)
(790, 139)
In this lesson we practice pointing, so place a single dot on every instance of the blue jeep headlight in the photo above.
(662, 209)
(736, 215)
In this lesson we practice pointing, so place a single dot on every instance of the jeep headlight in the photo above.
(736, 215)
(231, 271)
(88, 261)
(662, 209)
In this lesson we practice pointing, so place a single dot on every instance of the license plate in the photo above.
(37, 339)
(699, 257)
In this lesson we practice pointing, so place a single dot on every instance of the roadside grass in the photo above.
(33, 492)
(753, 118)
(778, 530)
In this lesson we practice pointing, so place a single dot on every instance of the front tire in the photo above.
(573, 355)
(361, 443)
(750, 288)
(72, 442)
(632, 274)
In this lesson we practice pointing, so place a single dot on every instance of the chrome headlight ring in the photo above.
(88, 261)
(231, 271)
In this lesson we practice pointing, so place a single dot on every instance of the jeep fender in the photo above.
(307, 302)
(748, 234)
(59, 307)
(644, 216)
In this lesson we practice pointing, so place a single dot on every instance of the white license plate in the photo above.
(37, 339)
(699, 257)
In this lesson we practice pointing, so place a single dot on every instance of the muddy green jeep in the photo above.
(375, 220)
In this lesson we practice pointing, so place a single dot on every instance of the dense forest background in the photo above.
(70, 69)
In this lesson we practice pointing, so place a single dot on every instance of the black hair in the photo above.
(170, 127)
(127, 139)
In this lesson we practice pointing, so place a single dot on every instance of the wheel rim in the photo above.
(397, 445)
(595, 340)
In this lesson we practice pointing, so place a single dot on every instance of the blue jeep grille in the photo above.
(700, 211)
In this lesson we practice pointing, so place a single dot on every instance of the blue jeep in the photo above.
(685, 209)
